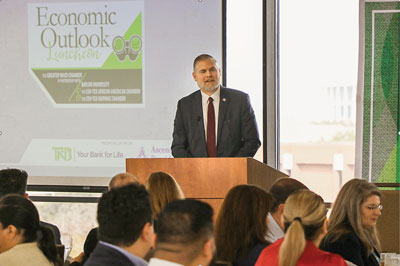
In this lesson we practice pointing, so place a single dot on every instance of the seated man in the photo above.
(119, 180)
(281, 189)
(185, 234)
(126, 231)
(14, 181)
(122, 179)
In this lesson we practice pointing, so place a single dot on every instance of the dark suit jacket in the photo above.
(54, 229)
(106, 256)
(253, 253)
(237, 127)
(350, 248)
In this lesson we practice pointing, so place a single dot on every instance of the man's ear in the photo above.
(12, 231)
(208, 248)
(194, 76)
(280, 208)
(148, 233)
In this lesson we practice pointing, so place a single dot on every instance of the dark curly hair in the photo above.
(122, 213)
(13, 181)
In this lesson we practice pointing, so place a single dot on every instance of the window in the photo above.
(318, 79)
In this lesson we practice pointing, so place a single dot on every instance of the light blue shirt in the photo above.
(134, 259)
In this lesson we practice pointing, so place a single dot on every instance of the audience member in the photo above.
(119, 180)
(305, 225)
(281, 189)
(88, 247)
(185, 234)
(126, 232)
(122, 179)
(352, 223)
(163, 189)
(14, 181)
(23, 241)
(242, 224)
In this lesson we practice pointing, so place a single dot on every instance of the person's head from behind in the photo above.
(185, 233)
(305, 219)
(124, 215)
(163, 189)
(242, 221)
(13, 181)
(122, 179)
(357, 205)
(281, 189)
(206, 73)
(19, 223)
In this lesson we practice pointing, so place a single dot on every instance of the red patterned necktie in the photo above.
(211, 151)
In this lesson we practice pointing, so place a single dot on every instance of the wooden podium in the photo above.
(207, 179)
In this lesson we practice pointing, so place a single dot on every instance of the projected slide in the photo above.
(85, 85)
(87, 53)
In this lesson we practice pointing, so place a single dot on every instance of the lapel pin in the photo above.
(224, 99)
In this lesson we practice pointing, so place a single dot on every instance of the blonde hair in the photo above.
(163, 189)
(346, 215)
(304, 215)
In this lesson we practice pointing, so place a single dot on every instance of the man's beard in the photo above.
(213, 88)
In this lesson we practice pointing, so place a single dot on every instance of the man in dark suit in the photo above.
(118, 180)
(214, 121)
(125, 229)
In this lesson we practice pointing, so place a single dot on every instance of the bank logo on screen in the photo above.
(88, 54)
(62, 153)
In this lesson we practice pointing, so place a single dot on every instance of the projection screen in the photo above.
(85, 85)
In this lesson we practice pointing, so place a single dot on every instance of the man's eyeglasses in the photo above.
(374, 207)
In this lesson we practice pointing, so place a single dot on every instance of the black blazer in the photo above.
(237, 127)
(106, 256)
(54, 229)
(352, 249)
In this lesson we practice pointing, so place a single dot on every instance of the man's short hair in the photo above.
(282, 188)
(184, 222)
(202, 57)
(13, 181)
(122, 213)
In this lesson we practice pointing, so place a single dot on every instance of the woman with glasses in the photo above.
(352, 224)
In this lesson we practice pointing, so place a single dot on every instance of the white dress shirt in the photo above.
(274, 230)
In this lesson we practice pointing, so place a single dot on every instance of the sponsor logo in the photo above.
(62, 153)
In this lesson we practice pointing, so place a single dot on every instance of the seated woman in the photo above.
(22, 240)
(163, 189)
(305, 226)
(352, 223)
(241, 225)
